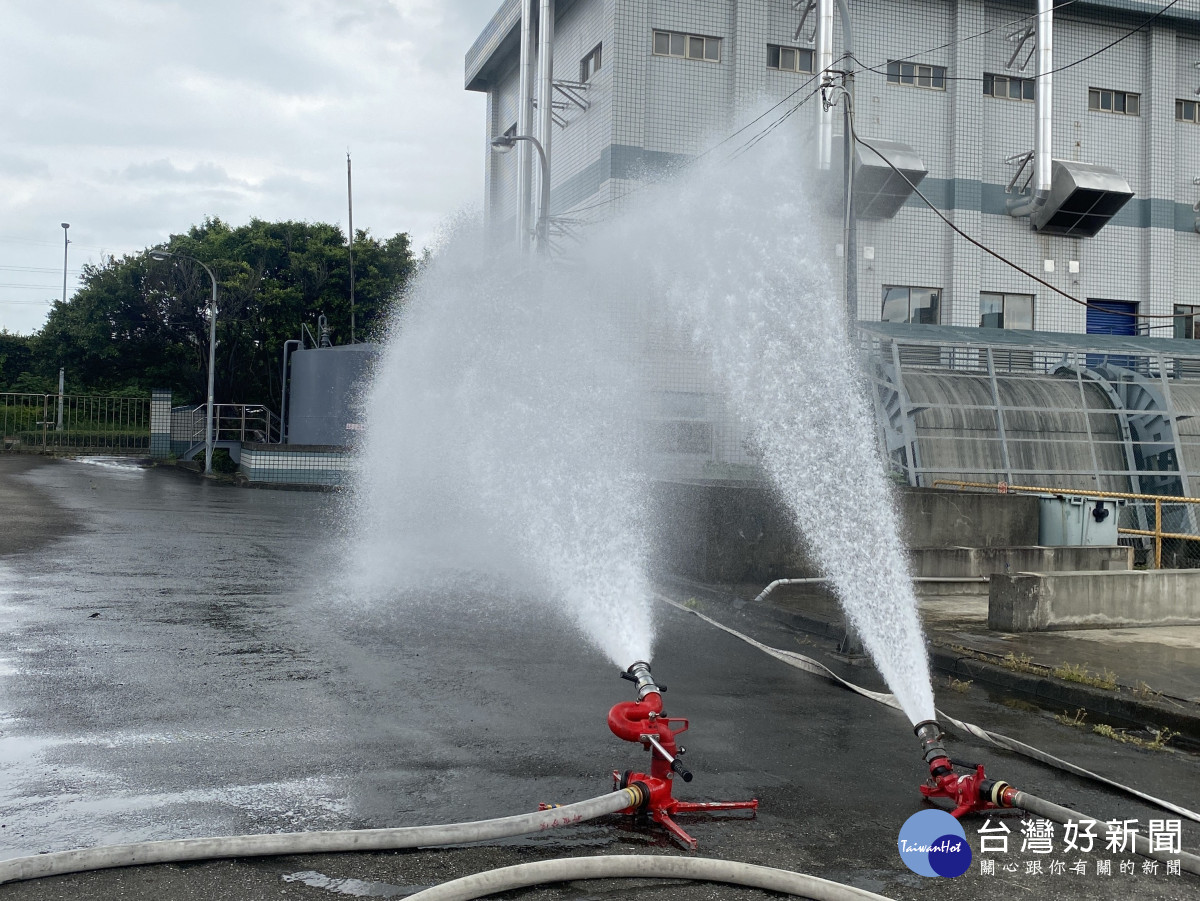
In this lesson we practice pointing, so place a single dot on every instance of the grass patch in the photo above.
(1021, 663)
(1067, 720)
(959, 685)
(1158, 743)
(1078, 672)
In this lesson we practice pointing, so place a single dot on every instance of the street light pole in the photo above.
(505, 143)
(212, 352)
(61, 372)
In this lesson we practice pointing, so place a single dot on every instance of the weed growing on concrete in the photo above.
(1067, 720)
(1022, 663)
(1161, 737)
(1158, 743)
(1078, 672)
(959, 685)
(1144, 692)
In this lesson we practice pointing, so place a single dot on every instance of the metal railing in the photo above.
(231, 422)
(1189, 542)
(42, 423)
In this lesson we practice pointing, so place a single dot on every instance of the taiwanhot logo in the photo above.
(932, 843)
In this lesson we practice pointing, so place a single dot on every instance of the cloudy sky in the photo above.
(133, 119)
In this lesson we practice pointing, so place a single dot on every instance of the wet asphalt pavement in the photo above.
(179, 659)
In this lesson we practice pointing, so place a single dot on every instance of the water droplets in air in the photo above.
(507, 422)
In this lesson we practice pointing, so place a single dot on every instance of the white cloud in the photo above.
(133, 119)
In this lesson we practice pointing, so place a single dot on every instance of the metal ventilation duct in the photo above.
(879, 191)
(1083, 198)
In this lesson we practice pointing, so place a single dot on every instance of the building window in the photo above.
(789, 59)
(917, 75)
(1005, 310)
(590, 64)
(1187, 111)
(1185, 321)
(1120, 102)
(904, 304)
(1005, 87)
(687, 46)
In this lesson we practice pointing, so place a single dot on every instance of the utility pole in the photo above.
(350, 203)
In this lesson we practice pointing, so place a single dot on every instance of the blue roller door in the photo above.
(1111, 317)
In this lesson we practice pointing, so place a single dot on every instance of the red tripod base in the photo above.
(662, 807)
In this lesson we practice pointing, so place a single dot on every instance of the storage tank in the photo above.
(324, 391)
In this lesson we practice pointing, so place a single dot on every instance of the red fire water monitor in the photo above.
(644, 721)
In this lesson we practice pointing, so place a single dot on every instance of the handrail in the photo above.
(1158, 534)
(1004, 488)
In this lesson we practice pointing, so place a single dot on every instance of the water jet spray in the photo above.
(644, 721)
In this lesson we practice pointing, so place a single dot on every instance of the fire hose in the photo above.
(641, 866)
(84, 859)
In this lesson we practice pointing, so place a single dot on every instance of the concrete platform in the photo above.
(1039, 602)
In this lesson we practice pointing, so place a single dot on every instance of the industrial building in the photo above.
(1108, 188)
(1064, 137)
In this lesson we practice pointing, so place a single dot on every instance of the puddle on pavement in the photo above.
(120, 463)
(357, 888)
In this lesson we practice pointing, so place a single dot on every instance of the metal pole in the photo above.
(350, 203)
(850, 225)
(1158, 533)
(65, 227)
(528, 71)
(212, 368)
(545, 109)
(61, 381)
(824, 64)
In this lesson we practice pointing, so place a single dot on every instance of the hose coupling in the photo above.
(998, 792)
(639, 795)
(930, 735)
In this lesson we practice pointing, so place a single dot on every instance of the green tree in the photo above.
(141, 323)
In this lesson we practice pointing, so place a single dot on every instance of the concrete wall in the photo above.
(964, 562)
(1040, 602)
(936, 518)
(734, 532)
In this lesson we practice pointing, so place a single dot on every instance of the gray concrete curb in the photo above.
(1116, 704)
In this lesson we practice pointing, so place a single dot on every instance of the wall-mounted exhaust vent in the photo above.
(1083, 198)
(878, 191)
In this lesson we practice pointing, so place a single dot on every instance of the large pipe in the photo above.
(824, 63)
(85, 859)
(1044, 96)
(1043, 113)
(525, 123)
(294, 344)
(642, 866)
(545, 103)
